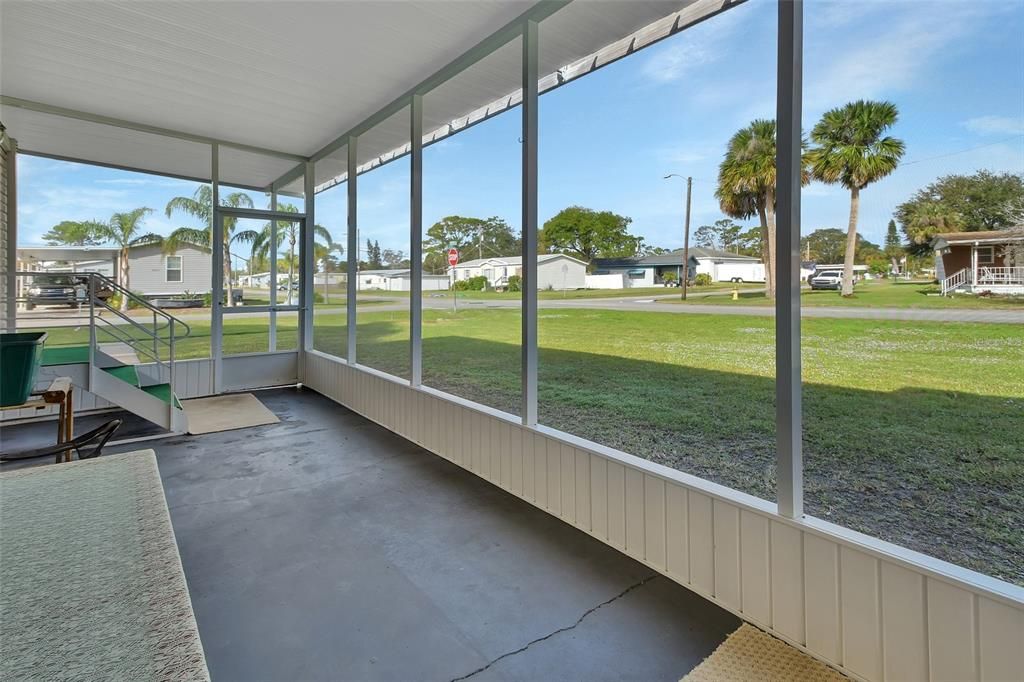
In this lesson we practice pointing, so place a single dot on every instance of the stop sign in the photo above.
(453, 257)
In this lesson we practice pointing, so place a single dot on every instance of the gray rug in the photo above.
(91, 584)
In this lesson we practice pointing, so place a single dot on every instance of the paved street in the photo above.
(58, 317)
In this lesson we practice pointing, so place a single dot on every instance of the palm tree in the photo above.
(746, 186)
(286, 231)
(122, 230)
(200, 206)
(851, 150)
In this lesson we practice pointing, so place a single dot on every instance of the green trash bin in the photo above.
(20, 355)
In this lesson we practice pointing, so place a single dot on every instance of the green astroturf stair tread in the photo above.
(64, 355)
(163, 392)
(125, 373)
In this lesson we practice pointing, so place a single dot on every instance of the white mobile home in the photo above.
(554, 271)
(151, 271)
(398, 280)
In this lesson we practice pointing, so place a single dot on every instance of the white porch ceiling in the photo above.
(289, 76)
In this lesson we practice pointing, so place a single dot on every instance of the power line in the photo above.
(953, 154)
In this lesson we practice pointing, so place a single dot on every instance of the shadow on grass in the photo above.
(932, 470)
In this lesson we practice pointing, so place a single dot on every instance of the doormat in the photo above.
(226, 413)
(750, 655)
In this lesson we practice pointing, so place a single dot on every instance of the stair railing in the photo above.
(151, 342)
(954, 281)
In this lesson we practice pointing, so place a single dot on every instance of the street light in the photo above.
(686, 232)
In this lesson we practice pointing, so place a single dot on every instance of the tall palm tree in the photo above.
(123, 230)
(200, 207)
(746, 186)
(286, 232)
(850, 149)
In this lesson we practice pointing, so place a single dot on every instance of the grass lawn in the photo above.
(913, 431)
(637, 292)
(876, 294)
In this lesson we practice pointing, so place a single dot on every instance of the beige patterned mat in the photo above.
(91, 585)
(750, 655)
(226, 413)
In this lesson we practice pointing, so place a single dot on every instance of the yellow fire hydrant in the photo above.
(735, 293)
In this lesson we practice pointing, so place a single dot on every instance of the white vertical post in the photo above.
(11, 173)
(307, 265)
(529, 189)
(416, 242)
(273, 272)
(217, 249)
(974, 265)
(353, 254)
(788, 415)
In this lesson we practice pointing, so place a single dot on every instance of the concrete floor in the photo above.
(326, 547)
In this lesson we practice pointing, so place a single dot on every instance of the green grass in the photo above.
(876, 294)
(913, 431)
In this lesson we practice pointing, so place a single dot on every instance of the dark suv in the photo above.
(69, 290)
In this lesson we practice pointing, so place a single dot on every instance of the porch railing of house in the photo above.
(149, 332)
(955, 281)
(1001, 275)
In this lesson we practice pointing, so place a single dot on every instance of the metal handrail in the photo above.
(138, 345)
(117, 288)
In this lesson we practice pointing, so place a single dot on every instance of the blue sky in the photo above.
(954, 69)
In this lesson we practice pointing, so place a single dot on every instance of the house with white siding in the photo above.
(152, 272)
(554, 271)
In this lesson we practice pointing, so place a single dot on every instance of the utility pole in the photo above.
(685, 276)
(686, 237)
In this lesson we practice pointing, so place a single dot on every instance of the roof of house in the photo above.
(672, 258)
(514, 260)
(1015, 234)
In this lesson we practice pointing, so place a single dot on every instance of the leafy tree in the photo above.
(393, 258)
(828, 245)
(969, 203)
(750, 243)
(200, 207)
(473, 237)
(654, 250)
(706, 236)
(374, 259)
(73, 233)
(852, 150)
(588, 234)
(893, 247)
(287, 233)
(724, 234)
(746, 186)
(123, 230)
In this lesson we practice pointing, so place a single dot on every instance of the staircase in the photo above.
(131, 357)
(955, 281)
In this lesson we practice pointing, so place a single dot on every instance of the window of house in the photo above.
(173, 268)
(986, 255)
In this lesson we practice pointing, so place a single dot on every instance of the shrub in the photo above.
(515, 283)
(472, 284)
(702, 280)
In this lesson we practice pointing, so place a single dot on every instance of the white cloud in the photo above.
(995, 125)
(879, 59)
(696, 46)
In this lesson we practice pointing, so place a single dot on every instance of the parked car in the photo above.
(69, 290)
(827, 279)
